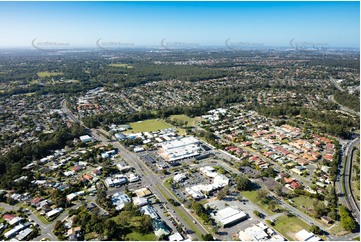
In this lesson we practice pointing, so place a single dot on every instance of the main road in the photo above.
(344, 109)
(344, 181)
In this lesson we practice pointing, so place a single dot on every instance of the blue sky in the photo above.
(204, 23)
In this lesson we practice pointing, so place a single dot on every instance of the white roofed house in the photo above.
(12, 232)
(54, 212)
(24, 233)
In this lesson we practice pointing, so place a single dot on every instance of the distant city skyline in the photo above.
(180, 24)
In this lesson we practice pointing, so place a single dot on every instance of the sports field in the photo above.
(183, 118)
(148, 125)
(121, 65)
(49, 74)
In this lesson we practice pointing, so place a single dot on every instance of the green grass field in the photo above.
(183, 117)
(252, 196)
(304, 202)
(121, 65)
(289, 226)
(135, 236)
(49, 74)
(148, 125)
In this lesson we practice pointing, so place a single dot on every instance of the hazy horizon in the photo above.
(251, 25)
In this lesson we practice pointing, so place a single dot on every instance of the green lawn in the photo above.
(2, 209)
(289, 226)
(183, 117)
(121, 65)
(337, 229)
(41, 218)
(252, 196)
(135, 236)
(49, 74)
(148, 126)
(305, 202)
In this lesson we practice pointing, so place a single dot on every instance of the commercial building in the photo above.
(178, 149)
(229, 216)
(194, 193)
(179, 177)
(143, 192)
(119, 200)
(253, 233)
(160, 228)
(176, 237)
(304, 235)
(85, 138)
(259, 232)
(148, 210)
(120, 136)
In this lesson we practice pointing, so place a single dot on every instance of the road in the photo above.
(343, 108)
(346, 196)
(337, 85)
(67, 112)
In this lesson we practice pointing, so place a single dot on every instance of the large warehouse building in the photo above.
(179, 149)
(229, 216)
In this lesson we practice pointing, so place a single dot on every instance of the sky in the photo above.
(92, 24)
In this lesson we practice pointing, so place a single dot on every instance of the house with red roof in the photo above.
(96, 172)
(77, 168)
(36, 201)
(87, 177)
(8, 217)
(328, 157)
(295, 185)
(288, 180)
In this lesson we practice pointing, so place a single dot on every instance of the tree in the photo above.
(58, 225)
(321, 210)
(207, 237)
(146, 224)
(315, 229)
(262, 195)
(111, 230)
(347, 221)
(223, 193)
(242, 183)
(278, 190)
